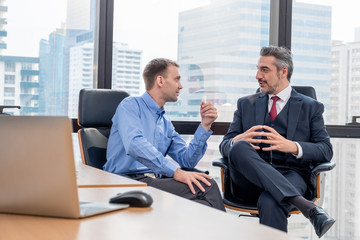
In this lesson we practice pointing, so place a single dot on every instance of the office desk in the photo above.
(88, 177)
(170, 217)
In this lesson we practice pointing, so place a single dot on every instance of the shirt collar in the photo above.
(284, 95)
(152, 105)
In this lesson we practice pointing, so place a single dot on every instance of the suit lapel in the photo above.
(295, 104)
(260, 109)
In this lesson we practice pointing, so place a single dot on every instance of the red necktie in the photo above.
(273, 112)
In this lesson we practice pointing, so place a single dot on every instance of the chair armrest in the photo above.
(323, 167)
(221, 162)
(195, 170)
(2, 107)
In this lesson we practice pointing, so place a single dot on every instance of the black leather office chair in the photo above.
(96, 109)
(316, 180)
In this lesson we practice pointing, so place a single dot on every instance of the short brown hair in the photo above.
(154, 68)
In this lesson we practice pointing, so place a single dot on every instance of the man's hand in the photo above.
(249, 136)
(191, 178)
(208, 115)
(278, 142)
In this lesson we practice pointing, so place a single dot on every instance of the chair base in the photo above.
(233, 203)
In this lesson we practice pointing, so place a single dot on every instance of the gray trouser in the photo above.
(255, 180)
(211, 197)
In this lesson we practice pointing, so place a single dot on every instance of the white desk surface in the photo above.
(169, 217)
(88, 177)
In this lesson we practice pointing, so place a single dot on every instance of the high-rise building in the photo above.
(19, 76)
(54, 57)
(67, 60)
(3, 23)
(19, 84)
(357, 34)
(51, 79)
(218, 49)
(345, 82)
(126, 73)
(79, 32)
(311, 47)
(80, 74)
(344, 104)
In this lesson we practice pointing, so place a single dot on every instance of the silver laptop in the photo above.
(37, 169)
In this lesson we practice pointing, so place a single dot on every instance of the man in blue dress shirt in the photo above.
(141, 137)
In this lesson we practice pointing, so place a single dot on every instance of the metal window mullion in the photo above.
(280, 23)
(103, 43)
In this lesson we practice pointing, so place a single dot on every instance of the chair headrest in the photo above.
(98, 106)
(305, 90)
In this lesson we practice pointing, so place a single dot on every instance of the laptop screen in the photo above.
(37, 169)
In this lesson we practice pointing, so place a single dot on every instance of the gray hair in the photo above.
(283, 58)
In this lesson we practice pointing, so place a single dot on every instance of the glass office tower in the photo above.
(311, 47)
(51, 92)
(218, 50)
(126, 74)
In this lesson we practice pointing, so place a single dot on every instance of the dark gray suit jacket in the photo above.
(305, 126)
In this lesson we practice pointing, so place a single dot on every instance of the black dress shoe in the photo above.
(321, 221)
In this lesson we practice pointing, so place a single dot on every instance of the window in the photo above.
(26, 66)
(9, 79)
(9, 102)
(216, 43)
(9, 67)
(325, 43)
(46, 56)
(9, 92)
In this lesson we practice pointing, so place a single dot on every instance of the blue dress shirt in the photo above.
(141, 136)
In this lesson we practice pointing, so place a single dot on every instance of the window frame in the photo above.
(280, 35)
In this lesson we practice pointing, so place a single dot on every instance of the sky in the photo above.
(29, 21)
(345, 15)
(152, 27)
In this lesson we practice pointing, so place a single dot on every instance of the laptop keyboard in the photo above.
(93, 208)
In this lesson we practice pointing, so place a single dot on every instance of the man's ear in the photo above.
(284, 72)
(159, 81)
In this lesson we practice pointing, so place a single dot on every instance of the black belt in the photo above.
(140, 175)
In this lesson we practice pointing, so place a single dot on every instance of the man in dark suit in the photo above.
(276, 137)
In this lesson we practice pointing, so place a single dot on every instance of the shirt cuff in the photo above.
(300, 151)
(201, 134)
(169, 169)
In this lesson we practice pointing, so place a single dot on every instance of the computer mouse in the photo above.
(133, 198)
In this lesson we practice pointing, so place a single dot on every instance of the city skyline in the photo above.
(73, 16)
(36, 28)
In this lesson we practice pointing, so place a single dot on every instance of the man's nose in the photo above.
(258, 75)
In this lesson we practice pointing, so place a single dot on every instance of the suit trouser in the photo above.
(255, 180)
(211, 197)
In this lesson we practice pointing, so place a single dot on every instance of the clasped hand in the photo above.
(273, 138)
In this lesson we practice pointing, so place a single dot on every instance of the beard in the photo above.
(270, 89)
